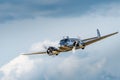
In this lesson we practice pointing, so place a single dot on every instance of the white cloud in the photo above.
(17, 67)
(52, 68)
(42, 46)
(48, 67)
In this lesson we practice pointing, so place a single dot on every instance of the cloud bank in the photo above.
(70, 67)
(42, 46)
(65, 66)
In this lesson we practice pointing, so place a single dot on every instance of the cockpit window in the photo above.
(64, 41)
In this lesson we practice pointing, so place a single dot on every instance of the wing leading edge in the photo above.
(35, 53)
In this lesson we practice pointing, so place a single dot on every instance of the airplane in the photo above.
(68, 44)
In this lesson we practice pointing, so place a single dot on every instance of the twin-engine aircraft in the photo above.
(68, 44)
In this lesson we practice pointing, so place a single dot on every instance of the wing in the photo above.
(86, 42)
(65, 49)
(35, 53)
(95, 39)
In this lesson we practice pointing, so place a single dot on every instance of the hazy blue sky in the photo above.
(27, 25)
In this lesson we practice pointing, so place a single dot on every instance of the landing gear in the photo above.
(83, 46)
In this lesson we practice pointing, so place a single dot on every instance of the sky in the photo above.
(29, 25)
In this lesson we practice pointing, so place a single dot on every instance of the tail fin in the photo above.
(98, 33)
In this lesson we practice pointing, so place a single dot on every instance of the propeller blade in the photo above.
(74, 46)
(46, 47)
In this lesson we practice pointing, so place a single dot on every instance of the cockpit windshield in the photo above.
(64, 41)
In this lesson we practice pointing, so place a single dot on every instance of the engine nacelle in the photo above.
(52, 51)
(82, 46)
(77, 44)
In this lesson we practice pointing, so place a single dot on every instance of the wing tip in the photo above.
(116, 32)
(25, 54)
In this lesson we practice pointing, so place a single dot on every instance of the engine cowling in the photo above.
(77, 44)
(51, 50)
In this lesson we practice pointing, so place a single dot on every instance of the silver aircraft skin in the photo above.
(67, 44)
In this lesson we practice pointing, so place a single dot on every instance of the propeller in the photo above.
(76, 43)
(74, 46)
(45, 47)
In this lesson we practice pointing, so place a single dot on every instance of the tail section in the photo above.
(98, 33)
